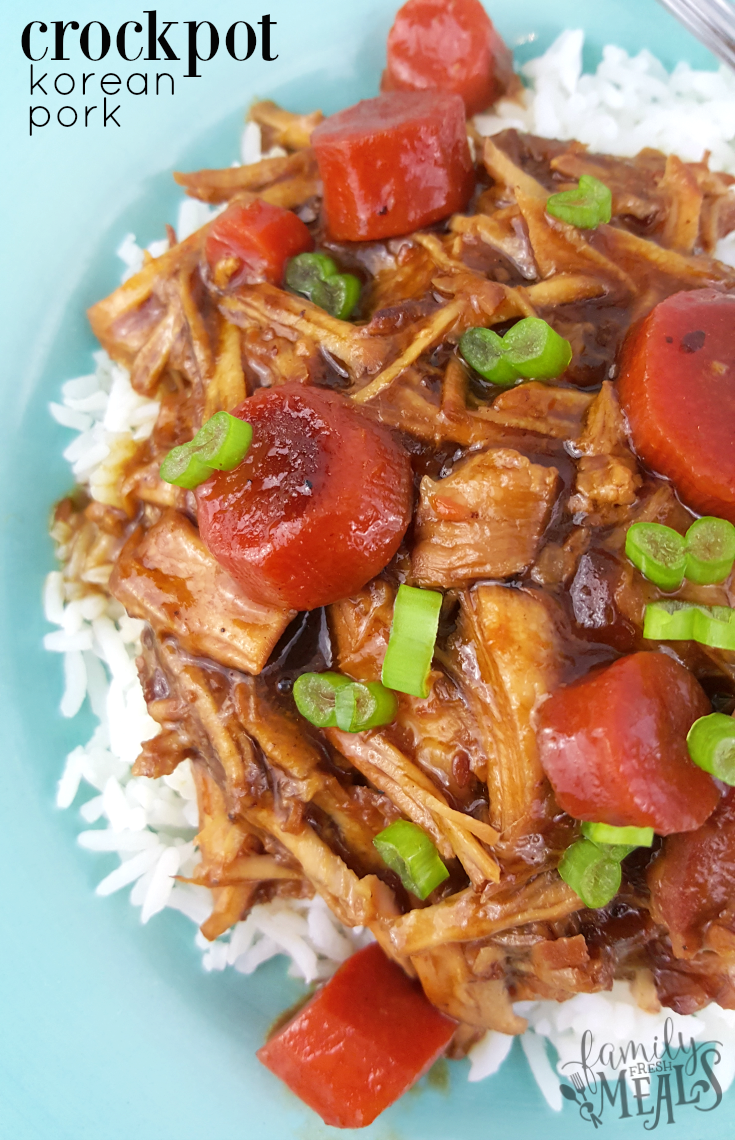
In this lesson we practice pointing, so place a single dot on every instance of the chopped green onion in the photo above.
(412, 637)
(710, 550)
(303, 272)
(316, 276)
(359, 706)
(630, 837)
(585, 207)
(220, 445)
(658, 552)
(338, 295)
(683, 621)
(591, 873)
(617, 851)
(315, 695)
(331, 700)
(530, 350)
(704, 555)
(408, 851)
(183, 467)
(484, 351)
(711, 744)
(669, 621)
(536, 350)
(223, 441)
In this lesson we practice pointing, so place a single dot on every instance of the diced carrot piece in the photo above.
(259, 239)
(360, 1043)
(450, 45)
(393, 164)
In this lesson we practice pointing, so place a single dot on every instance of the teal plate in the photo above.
(110, 1030)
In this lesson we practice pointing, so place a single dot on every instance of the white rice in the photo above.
(629, 103)
(150, 825)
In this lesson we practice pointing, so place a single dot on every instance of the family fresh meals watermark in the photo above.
(64, 93)
(653, 1084)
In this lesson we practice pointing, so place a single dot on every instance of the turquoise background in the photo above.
(110, 1030)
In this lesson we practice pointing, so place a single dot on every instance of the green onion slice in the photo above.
(359, 706)
(331, 700)
(338, 295)
(617, 851)
(710, 550)
(220, 445)
(683, 621)
(536, 350)
(315, 695)
(659, 552)
(711, 744)
(408, 851)
(183, 467)
(669, 621)
(704, 555)
(306, 270)
(412, 637)
(591, 873)
(316, 276)
(585, 207)
(223, 441)
(630, 837)
(484, 351)
(530, 350)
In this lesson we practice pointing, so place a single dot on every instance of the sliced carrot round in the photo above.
(614, 746)
(677, 387)
(318, 506)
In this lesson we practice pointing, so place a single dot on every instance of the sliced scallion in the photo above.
(331, 700)
(659, 552)
(669, 621)
(183, 467)
(591, 873)
(617, 851)
(337, 295)
(221, 444)
(223, 441)
(589, 204)
(361, 706)
(303, 272)
(412, 637)
(710, 550)
(484, 351)
(630, 837)
(408, 851)
(530, 350)
(683, 621)
(536, 350)
(705, 554)
(711, 744)
(315, 695)
(317, 277)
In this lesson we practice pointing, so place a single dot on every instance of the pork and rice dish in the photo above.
(433, 540)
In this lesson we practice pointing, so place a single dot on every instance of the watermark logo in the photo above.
(652, 1084)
